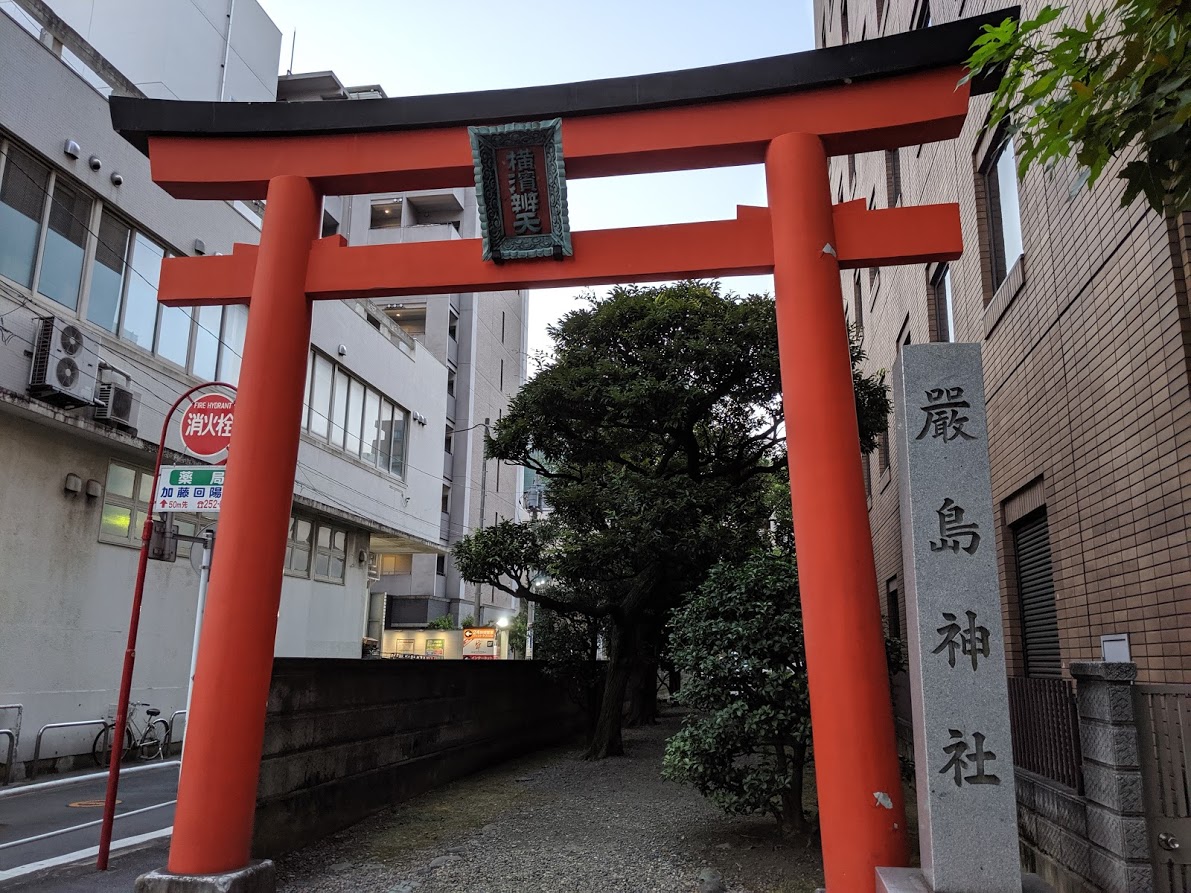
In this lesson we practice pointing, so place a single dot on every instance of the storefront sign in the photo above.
(521, 190)
(189, 488)
(479, 643)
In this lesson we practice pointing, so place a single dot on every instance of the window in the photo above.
(941, 299)
(924, 15)
(330, 553)
(61, 274)
(205, 361)
(450, 382)
(126, 501)
(440, 565)
(353, 417)
(140, 310)
(852, 170)
(446, 499)
(385, 213)
(453, 325)
(883, 449)
(880, 13)
(107, 277)
(868, 475)
(843, 18)
(448, 442)
(51, 227)
(893, 609)
(502, 327)
(1036, 594)
(24, 185)
(297, 547)
(396, 564)
(893, 174)
(502, 376)
(1004, 217)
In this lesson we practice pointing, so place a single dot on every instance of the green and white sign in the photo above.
(189, 488)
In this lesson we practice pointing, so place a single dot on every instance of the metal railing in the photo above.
(1045, 727)
(12, 748)
(174, 716)
(67, 725)
(14, 736)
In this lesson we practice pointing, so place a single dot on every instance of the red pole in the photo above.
(851, 712)
(217, 790)
(109, 803)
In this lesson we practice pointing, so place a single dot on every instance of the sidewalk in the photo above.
(553, 822)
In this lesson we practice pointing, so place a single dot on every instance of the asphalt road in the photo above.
(45, 826)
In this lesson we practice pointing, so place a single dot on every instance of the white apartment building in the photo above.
(481, 339)
(83, 231)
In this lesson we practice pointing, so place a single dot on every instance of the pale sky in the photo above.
(415, 47)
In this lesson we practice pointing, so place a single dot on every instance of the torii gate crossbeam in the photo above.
(790, 112)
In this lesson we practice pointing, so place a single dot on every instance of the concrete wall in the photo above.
(344, 739)
(174, 49)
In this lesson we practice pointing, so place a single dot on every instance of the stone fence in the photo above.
(1095, 842)
(347, 738)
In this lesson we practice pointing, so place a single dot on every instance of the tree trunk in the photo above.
(607, 740)
(793, 819)
(643, 710)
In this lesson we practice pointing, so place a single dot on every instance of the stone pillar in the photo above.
(1119, 857)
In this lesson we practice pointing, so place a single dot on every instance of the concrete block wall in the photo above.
(347, 738)
(1097, 842)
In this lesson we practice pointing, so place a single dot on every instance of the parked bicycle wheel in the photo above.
(155, 741)
(98, 753)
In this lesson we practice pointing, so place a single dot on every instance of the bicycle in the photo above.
(148, 743)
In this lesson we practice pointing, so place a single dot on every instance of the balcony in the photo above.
(444, 527)
(451, 407)
(448, 465)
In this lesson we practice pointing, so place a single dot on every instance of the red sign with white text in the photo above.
(207, 425)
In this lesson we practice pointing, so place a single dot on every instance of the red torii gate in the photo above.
(791, 113)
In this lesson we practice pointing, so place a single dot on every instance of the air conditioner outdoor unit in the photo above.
(64, 364)
(117, 405)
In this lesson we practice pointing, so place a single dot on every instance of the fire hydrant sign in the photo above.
(207, 425)
(189, 488)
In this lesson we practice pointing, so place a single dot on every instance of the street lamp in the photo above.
(502, 624)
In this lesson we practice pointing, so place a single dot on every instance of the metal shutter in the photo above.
(1036, 588)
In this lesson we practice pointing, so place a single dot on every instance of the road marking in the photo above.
(78, 779)
(79, 855)
(58, 831)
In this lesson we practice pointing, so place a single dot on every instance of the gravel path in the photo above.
(549, 823)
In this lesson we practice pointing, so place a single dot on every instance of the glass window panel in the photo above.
(355, 416)
(371, 426)
(339, 541)
(336, 569)
(299, 559)
(173, 334)
(948, 310)
(400, 425)
(339, 407)
(386, 435)
(62, 258)
(324, 537)
(320, 397)
(322, 564)
(302, 531)
(121, 480)
(140, 303)
(185, 528)
(145, 488)
(22, 198)
(116, 523)
(138, 520)
(107, 276)
(1010, 207)
(206, 341)
(235, 323)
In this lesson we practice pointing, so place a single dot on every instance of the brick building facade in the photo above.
(1082, 309)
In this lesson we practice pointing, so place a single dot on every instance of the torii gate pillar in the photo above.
(217, 790)
(861, 809)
